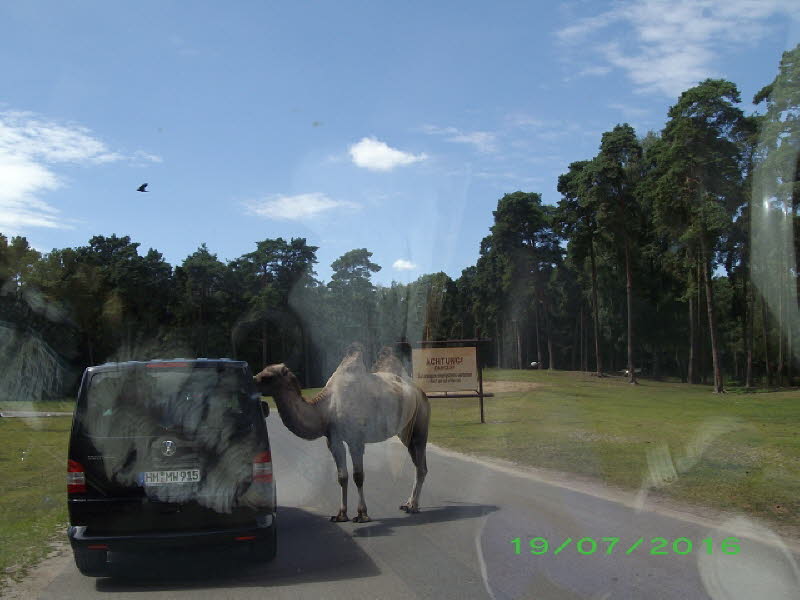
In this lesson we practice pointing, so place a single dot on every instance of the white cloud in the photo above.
(21, 180)
(22, 134)
(299, 206)
(582, 28)
(29, 146)
(401, 264)
(525, 120)
(628, 111)
(539, 130)
(597, 70)
(675, 42)
(181, 46)
(484, 141)
(147, 157)
(372, 154)
(508, 177)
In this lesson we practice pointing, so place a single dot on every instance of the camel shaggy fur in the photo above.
(356, 407)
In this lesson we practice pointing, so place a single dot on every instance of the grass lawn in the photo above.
(52, 406)
(33, 508)
(734, 451)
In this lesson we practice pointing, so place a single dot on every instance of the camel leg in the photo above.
(417, 452)
(416, 448)
(336, 446)
(357, 456)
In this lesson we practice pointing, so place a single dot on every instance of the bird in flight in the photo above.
(142, 187)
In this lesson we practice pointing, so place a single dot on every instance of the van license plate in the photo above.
(168, 477)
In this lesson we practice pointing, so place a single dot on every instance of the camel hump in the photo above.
(353, 361)
(323, 395)
(388, 362)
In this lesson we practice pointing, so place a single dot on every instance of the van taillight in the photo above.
(262, 467)
(76, 477)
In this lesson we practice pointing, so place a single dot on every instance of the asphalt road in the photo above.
(460, 546)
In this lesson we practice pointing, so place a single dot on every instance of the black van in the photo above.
(169, 454)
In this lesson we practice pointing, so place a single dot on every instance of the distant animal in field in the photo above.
(626, 372)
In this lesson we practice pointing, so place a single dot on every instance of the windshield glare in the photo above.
(400, 300)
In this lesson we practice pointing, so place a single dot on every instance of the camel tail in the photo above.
(418, 418)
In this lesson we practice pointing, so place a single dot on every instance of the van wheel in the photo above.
(265, 550)
(91, 563)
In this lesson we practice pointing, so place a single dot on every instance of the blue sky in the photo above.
(391, 126)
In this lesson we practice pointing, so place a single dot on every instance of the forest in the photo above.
(671, 254)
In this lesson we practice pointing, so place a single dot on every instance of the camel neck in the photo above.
(305, 420)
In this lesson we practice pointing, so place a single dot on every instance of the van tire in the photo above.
(266, 549)
(91, 563)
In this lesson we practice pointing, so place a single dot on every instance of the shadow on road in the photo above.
(310, 549)
(437, 514)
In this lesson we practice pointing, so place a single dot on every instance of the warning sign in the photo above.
(445, 369)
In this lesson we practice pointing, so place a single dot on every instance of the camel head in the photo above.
(300, 416)
(272, 378)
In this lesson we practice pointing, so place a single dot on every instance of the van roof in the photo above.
(167, 362)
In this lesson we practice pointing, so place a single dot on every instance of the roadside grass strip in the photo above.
(737, 452)
(52, 406)
(33, 508)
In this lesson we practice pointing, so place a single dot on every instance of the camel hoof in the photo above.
(340, 518)
(361, 519)
(408, 508)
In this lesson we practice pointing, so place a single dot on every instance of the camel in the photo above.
(387, 362)
(355, 407)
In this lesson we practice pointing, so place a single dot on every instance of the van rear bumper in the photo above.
(264, 531)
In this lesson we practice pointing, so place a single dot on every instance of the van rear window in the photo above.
(135, 402)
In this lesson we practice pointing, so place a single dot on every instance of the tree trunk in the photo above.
(498, 341)
(587, 338)
(712, 324)
(629, 294)
(748, 334)
(765, 321)
(789, 356)
(519, 344)
(129, 339)
(681, 370)
(779, 370)
(580, 340)
(264, 343)
(306, 354)
(656, 364)
(551, 359)
(596, 315)
(536, 325)
(692, 371)
(702, 327)
(574, 353)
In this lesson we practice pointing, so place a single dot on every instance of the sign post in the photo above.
(450, 368)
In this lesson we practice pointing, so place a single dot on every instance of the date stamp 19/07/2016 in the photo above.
(657, 546)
